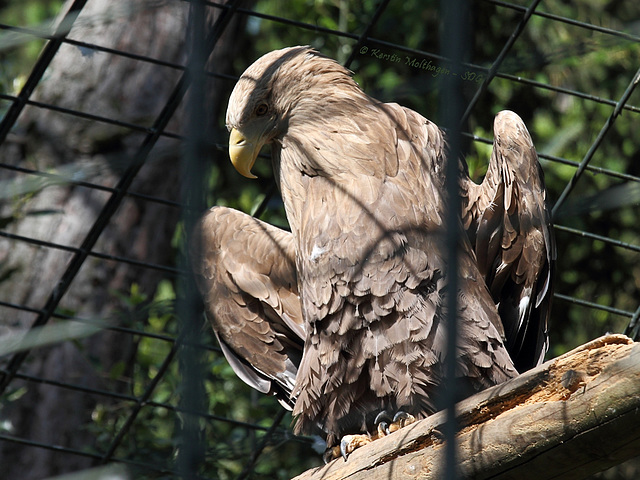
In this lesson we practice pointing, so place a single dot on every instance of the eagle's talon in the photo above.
(331, 453)
(350, 442)
(438, 434)
(344, 447)
(383, 429)
(401, 419)
(381, 422)
(382, 415)
(403, 416)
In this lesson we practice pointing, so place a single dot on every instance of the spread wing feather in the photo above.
(509, 224)
(245, 271)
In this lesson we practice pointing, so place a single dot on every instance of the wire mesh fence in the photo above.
(151, 389)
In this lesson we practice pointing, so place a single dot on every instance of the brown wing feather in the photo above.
(372, 272)
(245, 272)
(508, 222)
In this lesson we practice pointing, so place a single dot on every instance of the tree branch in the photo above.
(568, 418)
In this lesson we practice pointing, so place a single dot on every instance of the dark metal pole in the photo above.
(453, 41)
(191, 453)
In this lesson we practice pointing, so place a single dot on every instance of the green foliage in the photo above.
(155, 435)
(18, 52)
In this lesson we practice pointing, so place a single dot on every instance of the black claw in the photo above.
(383, 429)
(327, 456)
(382, 421)
(383, 416)
(402, 416)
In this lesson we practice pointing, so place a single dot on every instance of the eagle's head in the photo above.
(291, 85)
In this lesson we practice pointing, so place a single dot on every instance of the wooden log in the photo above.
(568, 418)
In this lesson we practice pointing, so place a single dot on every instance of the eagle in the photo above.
(343, 317)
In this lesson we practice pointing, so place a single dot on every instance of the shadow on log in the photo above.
(568, 418)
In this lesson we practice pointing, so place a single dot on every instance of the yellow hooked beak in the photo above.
(243, 151)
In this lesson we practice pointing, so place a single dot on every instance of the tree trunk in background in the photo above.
(119, 88)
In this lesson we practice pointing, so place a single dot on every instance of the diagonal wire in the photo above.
(31, 32)
(568, 91)
(265, 441)
(103, 256)
(86, 116)
(593, 305)
(153, 404)
(552, 158)
(601, 238)
(138, 465)
(142, 401)
(598, 170)
(596, 144)
(569, 21)
(633, 329)
(365, 34)
(498, 61)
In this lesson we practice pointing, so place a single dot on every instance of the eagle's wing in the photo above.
(245, 271)
(509, 225)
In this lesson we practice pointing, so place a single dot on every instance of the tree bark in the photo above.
(120, 88)
(568, 418)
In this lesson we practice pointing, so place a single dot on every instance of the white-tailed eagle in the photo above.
(343, 318)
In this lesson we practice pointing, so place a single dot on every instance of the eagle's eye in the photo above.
(262, 109)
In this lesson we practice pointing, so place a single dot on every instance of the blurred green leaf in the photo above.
(47, 335)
